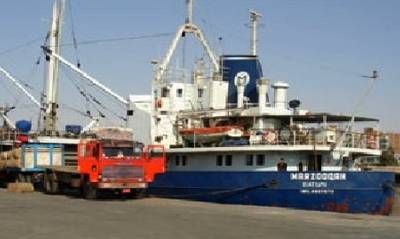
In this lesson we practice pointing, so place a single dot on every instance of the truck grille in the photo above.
(122, 172)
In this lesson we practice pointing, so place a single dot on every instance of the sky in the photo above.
(320, 47)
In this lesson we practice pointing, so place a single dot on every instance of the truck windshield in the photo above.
(119, 152)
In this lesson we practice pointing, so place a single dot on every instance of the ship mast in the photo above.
(50, 116)
(254, 21)
(188, 27)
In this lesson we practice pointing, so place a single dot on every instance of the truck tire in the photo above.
(50, 184)
(89, 192)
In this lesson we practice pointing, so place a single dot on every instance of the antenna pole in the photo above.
(254, 21)
(189, 18)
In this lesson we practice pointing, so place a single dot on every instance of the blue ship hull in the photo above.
(353, 192)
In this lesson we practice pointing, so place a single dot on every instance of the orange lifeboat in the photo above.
(211, 134)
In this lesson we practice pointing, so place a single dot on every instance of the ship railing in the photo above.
(317, 137)
(176, 75)
(8, 135)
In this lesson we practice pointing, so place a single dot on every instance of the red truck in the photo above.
(107, 160)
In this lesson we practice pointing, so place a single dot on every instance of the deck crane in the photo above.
(337, 147)
(3, 111)
(51, 105)
(90, 79)
(188, 27)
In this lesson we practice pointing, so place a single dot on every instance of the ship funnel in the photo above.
(241, 80)
(262, 87)
(280, 94)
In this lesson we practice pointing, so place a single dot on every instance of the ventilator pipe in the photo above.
(241, 80)
(262, 88)
(240, 96)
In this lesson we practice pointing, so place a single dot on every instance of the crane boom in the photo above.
(8, 122)
(86, 76)
(19, 86)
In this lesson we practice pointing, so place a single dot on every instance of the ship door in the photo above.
(315, 162)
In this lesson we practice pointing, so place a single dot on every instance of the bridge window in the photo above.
(260, 159)
(184, 161)
(249, 160)
(228, 160)
(165, 92)
(200, 93)
(179, 92)
(180, 160)
(219, 160)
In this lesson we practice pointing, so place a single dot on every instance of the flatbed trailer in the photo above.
(20, 164)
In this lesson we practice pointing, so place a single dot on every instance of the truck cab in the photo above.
(116, 164)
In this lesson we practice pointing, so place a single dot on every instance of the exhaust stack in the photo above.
(280, 95)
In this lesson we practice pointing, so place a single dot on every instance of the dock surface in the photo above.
(36, 215)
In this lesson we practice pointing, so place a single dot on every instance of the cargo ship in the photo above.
(283, 156)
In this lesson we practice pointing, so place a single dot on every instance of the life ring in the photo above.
(269, 137)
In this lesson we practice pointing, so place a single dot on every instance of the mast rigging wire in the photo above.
(95, 41)
(4, 52)
(74, 41)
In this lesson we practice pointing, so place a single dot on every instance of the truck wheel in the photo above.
(50, 185)
(89, 192)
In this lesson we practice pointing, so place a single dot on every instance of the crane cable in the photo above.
(93, 100)
(74, 41)
(84, 94)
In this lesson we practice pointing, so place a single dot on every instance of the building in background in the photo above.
(394, 142)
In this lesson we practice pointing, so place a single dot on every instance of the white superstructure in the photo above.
(182, 114)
